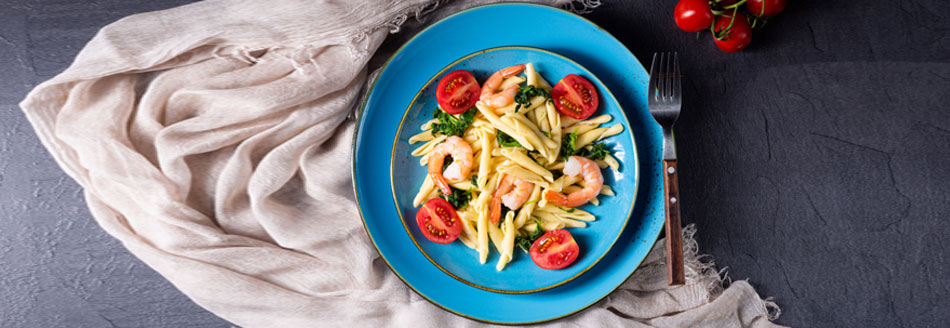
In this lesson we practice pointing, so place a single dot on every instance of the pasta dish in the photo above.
(509, 163)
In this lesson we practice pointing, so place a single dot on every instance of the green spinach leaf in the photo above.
(459, 198)
(598, 150)
(525, 241)
(505, 140)
(567, 145)
(525, 93)
(452, 125)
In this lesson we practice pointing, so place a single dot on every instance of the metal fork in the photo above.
(664, 100)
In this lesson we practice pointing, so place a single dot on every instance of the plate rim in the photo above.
(636, 168)
(355, 138)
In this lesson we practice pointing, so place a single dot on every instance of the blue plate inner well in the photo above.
(521, 274)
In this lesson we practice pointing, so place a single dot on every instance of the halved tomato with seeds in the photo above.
(438, 221)
(554, 250)
(576, 97)
(458, 92)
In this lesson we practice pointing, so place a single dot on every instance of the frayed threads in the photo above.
(772, 309)
(425, 9)
(420, 11)
(701, 267)
(581, 7)
(394, 25)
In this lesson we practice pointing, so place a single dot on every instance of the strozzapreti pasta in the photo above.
(515, 165)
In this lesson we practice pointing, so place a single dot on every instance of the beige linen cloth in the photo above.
(213, 140)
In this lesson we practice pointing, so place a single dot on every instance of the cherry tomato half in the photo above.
(734, 38)
(767, 8)
(693, 15)
(457, 92)
(576, 97)
(554, 250)
(438, 221)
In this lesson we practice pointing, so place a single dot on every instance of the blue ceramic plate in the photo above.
(422, 58)
(521, 275)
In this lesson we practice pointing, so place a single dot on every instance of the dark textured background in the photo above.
(815, 164)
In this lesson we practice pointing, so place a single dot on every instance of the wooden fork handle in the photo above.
(674, 235)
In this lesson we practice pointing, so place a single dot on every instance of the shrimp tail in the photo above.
(503, 188)
(442, 183)
(512, 70)
(556, 198)
(495, 210)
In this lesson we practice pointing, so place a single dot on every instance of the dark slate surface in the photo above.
(815, 164)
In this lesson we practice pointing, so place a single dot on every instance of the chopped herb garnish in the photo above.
(452, 125)
(537, 232)
(459, 198)
(569, 210)
(505, 140)
(475, 179)
(546, 134)
(598, 150)
(567, 145)
(525, 93)
(525, 241)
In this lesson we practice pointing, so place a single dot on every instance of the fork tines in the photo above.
(665, 87)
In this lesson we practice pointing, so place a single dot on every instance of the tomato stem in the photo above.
(733, 20)
(722, 34)
(735, 5)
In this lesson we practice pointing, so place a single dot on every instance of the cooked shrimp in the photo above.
(461, 153)
(512, 192)
(593, 181)
(505, 97)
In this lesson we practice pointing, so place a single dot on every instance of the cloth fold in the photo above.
(213, 140)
